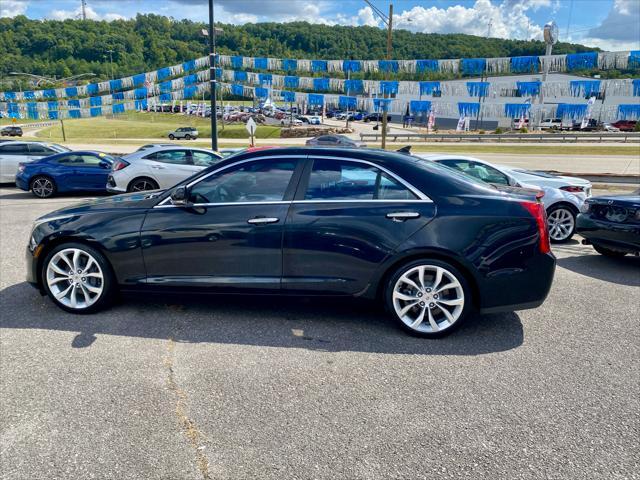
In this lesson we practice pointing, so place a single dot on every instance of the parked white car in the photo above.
(561, 206)
(14, 153)
(555, 124)
(315, 120)
(160, 167)
(580, 187)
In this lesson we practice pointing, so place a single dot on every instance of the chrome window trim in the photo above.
(422, 198)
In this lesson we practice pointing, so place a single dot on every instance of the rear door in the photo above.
(348, 216)
(170, 166)
(11, 154)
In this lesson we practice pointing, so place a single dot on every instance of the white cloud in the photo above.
(366, 17)
(13, 8)
(622, 24)
(77, 13)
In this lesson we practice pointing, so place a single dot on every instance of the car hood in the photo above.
(134, 200)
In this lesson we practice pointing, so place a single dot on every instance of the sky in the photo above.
(608, 24)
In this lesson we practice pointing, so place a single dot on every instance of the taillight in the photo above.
(536, 209)
(572, 189)
(21, 167)
(119, 165)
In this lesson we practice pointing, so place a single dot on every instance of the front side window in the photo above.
(478, 170)
(338, 180)
(259, 181)
(40, 149)
(203, 159)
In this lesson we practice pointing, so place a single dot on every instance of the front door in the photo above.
(230, 235)
(350, 217)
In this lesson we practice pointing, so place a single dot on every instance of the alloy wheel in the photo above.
(561, 224)
(42, 187)
(428, 298)
(142, 185)
(75, 278)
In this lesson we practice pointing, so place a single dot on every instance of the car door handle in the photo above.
(262, 220)
(402, 216)
(158, 167)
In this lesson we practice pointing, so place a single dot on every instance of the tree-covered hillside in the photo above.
(70, 47)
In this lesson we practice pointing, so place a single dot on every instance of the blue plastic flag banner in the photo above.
(427, 66)
(517, 110)
(528, 64)
(530, 89)
(388, 65)
(117, 108)
(636, 87)
(28, 94)
(473, 66)
(163, 73)
(190, 79)
(419, 106)
(265, 78)
(289, 65)
(14, 110)
(218, 72)
(165, 97)
(478, 89)
(115, 85)
(315, 99)
(95, 101)
(351, 66)
(140, 93)
(237, 90)
(389, 87)
(261, 92)
(629, 112)
(468, 108)
(239, 76)
(189, 65)
(53, 115)
(73, 104)
(10, 95)
(260, 63)
(139, 79)
(32, 110)
(118, 96)
(288, 96)
(189, 91)
(347, 102)
(582, 61)
(634, 59)
(353, 86)
(321, 84)
(49, 93)
(381, 104)
(140, 104)
(429, 88)
(165, 87)
(95, 111)
(77, 114)
(580, 88)
(319, 65)
(71, 92)
(237, 61)
(53, 105)
(291, 81)
(571, 110)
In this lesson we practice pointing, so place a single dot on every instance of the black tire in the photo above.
(142, 184)
(608, 252)
(105, 298)
(43, 186)
(566, 208)
(467, 306)
(187, 137)
(171, 137)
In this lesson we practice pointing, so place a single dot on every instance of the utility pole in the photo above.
(111, 62)
(83, 7)
(212, 80)
(389, 46)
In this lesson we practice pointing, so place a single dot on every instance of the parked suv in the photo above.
(187, 133)
(11, 131)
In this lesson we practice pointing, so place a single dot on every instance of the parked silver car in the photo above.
(334, 141)
(186, 133)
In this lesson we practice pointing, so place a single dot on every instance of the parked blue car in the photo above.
(65, 172)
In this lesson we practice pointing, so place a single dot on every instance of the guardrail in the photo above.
(522, 137)
(33, 125)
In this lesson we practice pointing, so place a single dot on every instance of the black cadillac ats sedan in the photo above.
(432, 244)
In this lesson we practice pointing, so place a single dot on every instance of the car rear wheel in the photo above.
(43, 187)
(78, 278)
(428, 298)
(608, 252)
(142, 184)
(171, 137)
(562, 223)
(187, 137)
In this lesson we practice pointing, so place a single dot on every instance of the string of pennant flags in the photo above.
(132, 101)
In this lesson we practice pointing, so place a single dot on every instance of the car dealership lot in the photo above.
(252, 387)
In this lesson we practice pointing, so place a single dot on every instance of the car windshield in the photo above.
(58, 148)
(536, 174)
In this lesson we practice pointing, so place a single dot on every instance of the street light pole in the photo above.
(212, 80)
(111, 62)
(389, 47)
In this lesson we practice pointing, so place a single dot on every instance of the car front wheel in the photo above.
(562, 223)
(172, 137)
(43, 187)
(428, 298)
(77, 278)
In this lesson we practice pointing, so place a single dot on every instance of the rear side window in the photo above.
(40, 149)
(175, 157)
(337, 180)
(478, 170)
(14, 149)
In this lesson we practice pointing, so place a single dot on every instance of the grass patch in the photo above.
(533, 149)
(146, 126)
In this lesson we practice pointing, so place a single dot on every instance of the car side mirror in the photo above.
(180, 196)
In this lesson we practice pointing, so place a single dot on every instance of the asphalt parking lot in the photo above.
(231, 388)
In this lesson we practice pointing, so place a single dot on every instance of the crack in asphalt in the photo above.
(187, 425)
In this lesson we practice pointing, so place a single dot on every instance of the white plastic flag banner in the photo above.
(587, 116)
(431, 122)
(461, 123)
(467, 122)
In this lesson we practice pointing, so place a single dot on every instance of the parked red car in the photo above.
(625, 125)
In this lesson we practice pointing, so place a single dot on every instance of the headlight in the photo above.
(585, 208)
